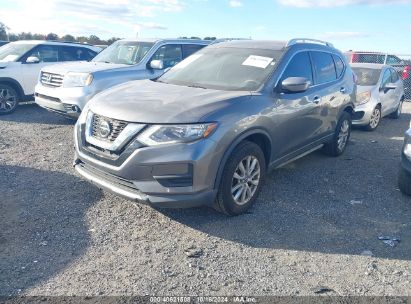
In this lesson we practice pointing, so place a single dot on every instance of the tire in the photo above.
(9, 99)
(231, 186)
(404, 182)
(375, 119)
(397, 113)
(342, 133)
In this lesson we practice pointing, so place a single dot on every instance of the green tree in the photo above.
(39, 37)
(112, 40)
(68, 37)
(210, 38)
(82, 39)
(52, 36)
(25, 36)
(3, 31)
(93, 39)
(13, 37)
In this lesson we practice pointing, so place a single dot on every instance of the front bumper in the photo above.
(129, 192)
(362, 114)
(66, 101)
(170, 176)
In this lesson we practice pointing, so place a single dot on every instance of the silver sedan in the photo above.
(380, 92)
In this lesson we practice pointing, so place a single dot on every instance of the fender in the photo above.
(231, 148)
(16, 84)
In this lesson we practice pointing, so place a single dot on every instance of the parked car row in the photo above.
(174, 123)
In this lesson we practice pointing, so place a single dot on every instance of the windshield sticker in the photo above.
(258, 61)
(187, 61)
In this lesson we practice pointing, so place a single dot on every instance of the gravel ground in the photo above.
(314, 224)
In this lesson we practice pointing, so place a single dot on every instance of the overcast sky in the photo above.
(380, 25)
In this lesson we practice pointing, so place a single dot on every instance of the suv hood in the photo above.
(147, 101)
(81, 67)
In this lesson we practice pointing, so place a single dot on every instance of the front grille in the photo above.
(50, 79)
(116, 127)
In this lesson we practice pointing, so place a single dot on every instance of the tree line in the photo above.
(92, 39)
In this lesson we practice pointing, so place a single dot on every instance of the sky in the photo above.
(362, 25)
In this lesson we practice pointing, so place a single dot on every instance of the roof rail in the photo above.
(72, 42)
(308, 40)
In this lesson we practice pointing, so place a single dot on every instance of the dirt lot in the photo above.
(313, 225)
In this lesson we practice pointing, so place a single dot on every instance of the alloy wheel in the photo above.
(245, 180)
(8, 100)
(375, 118)
(343, 135)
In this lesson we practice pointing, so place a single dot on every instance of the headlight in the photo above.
(170, 134)
(363, 97)
(83, 115)
(77, 79)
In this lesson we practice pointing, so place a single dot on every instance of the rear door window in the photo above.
(299, 66)
(70, 53)
(190, 49)
(170, 54)
(394, 76)
(324, 67)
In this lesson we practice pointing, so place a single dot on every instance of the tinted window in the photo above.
(339, 65)
(324, 67)
(394, 76)
(386, 78)
(299, 66)
(69, 53)
(189, 49)
(170, 55)
(46, 53)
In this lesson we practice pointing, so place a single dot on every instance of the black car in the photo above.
(404, 179)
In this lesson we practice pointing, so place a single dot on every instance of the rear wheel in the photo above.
(404, 182)
(9, 99)
(397, 113)
(374, 120)
(337, 146)
(242, 179)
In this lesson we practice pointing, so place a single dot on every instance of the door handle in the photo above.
(343, 90)
(316, 99)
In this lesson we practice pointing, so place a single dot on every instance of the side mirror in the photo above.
(157, 64)
(295, 84)
(389, 86)
(32, 59)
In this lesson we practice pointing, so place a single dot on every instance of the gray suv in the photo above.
(66, 88)
(206, 131)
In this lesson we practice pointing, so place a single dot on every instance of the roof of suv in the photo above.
(169, 40)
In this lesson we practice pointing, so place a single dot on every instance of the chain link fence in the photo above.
(400, 62)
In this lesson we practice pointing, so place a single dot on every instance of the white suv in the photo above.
(21, 62)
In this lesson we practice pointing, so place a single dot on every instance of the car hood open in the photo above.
(147, 101)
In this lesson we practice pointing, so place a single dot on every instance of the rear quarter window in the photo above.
(339, 65)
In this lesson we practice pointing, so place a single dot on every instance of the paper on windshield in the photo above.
(187, 61)
(258, 61)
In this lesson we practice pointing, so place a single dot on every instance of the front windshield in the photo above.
(13, 51)
(367, 77)
(230, 69)
(124, 52)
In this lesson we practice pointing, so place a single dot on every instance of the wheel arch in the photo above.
(257, 136)
(15, 84)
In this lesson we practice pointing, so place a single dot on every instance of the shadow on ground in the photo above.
(328, 205)
(42, 229)
(32, 113)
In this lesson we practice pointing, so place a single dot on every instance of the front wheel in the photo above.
(342, 133)
(374, 120)
(9, 99)
(242, 179)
